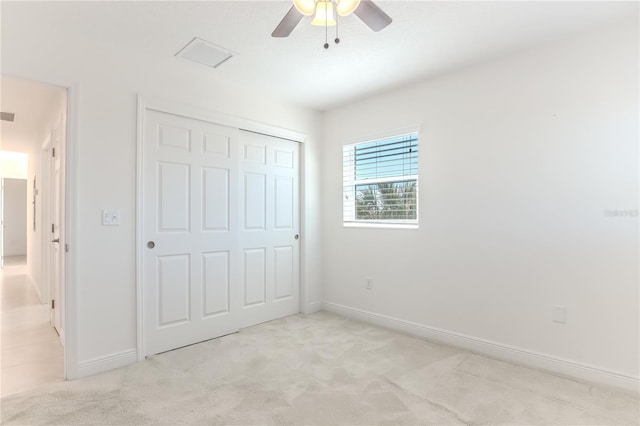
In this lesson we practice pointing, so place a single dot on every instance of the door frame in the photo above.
(189, 111)
(70, 283)
(45, 219)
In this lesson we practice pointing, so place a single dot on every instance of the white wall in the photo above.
(15, 217)
(13, 165)
(106, 83)
(519, 160)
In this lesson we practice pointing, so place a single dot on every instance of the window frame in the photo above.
(349, 183)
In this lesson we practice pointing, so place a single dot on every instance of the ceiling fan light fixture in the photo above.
(327, 12)
(306, 7)
(324, 14)
(346, 7)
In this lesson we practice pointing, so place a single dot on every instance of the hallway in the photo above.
(31, 353)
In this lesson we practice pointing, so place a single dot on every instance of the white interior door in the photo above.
(56, 231)
(269, 233)
(220, 219)
(191, 216)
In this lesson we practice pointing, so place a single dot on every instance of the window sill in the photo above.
(380, 225)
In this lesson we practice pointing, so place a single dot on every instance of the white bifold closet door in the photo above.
(221, 223)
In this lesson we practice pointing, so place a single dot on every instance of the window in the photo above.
(380, 182)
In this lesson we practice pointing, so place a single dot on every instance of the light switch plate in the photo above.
(110, 217)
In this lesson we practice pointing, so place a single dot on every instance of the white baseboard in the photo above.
(312, 307)
(106, 363)
(564, 367)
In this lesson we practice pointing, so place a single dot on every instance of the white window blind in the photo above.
(380, 181)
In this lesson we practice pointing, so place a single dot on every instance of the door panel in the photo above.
(215, 283)
(284, 203)
(174, 284)
(254, 277)
(174, 137)
(284, 271)
(255, 153)
(220, 219)
(255, 188)
(173, 197)
(216, 144)
(215, 199)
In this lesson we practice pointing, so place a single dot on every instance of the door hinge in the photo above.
(53, 152)
(53, 304)
(66, 248)
(53, 228)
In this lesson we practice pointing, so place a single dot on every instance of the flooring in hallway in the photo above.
(31, 354)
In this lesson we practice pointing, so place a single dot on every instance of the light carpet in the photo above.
(326, 370)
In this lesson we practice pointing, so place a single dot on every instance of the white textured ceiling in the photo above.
(426, 38)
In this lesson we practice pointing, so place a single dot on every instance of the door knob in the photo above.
(57, 240)
(297, 236)
(151, 244)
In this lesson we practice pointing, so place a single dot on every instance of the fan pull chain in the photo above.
(326, 27)
(337, 40)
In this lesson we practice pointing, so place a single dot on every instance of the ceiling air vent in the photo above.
(7, 116)
(205, 53)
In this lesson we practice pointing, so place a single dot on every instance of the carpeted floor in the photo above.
(326, 370)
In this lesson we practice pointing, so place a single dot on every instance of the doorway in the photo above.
(32, 294)
(14, 220)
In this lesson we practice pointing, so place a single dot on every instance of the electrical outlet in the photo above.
(559, 314)
(369, 284)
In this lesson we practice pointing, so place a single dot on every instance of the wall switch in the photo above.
(110, 217)
(369, 284)
(559, 314)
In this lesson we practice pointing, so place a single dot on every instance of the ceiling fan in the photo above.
(366, 10)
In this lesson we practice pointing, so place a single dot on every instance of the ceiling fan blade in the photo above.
(288, 23)
(372, 15)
